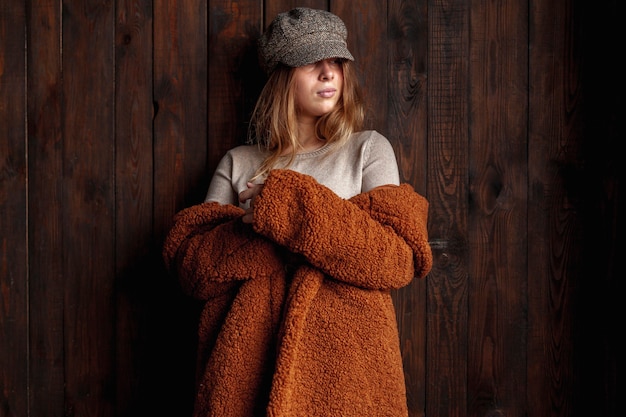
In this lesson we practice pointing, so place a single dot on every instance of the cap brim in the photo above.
(309, 53)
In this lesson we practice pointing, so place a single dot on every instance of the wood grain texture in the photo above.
(448, 163)
(497, 216)
(366, 22)
(13, 214)
(272, 8)
(554, 223)
(180, 178)
(88, 205)
(180, 96)
(407, 61)
(405, 44)
(46, 230)
(235, 77)
(141, 287)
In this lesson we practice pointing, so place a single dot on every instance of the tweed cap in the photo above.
(303, 36)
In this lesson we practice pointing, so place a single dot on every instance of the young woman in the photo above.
(303, 234)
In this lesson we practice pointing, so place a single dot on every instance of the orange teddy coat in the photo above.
(298, 318)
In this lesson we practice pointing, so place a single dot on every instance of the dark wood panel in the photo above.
(235, 78)
(88, 206)
(46, 229)
(13, 216)
(553, 228)
(179, 180)
(272, 8)
(497, 223)
(367, 40)
(180, 119)
(133, 131)
(407, 60)
(406, 46)
(448, 163)
(139, 292)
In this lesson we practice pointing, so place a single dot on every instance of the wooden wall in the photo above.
(505, 114)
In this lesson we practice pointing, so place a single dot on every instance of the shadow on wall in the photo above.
(157, 324)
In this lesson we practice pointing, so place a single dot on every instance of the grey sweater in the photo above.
(365, 162)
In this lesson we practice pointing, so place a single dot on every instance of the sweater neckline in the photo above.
(310, 154)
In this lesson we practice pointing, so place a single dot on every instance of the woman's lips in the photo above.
(327, 92)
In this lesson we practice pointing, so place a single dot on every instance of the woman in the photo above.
(299, 242)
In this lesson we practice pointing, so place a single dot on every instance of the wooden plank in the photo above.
(407, 114)
(367, 41)
(235, 77)
(140, 295)
(13, 213)
(88, 206)
(448, 162)
(498, 242)
(180, 118)
(568, 207)
(550, 225)
(406, 41)
(46, 231)
(272, 8)
(180, 180)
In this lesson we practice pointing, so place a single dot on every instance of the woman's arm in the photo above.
(379, 164)
(210, 249)
(375, 240)
(220, 188)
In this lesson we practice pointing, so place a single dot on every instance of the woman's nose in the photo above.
(327, 71)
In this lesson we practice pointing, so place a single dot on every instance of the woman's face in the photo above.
(318, 87)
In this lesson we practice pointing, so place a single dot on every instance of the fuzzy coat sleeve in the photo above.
(376, 240)
(211, 250)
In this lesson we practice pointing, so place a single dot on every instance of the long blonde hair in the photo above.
(273, 124)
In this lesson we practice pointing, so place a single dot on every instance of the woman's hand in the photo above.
(250, 194)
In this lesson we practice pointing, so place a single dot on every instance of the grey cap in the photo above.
(303, 36)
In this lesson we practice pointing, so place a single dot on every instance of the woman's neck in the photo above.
(309, 144)
(307, 139)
